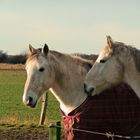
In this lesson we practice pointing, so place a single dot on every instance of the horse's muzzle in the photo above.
(30, 102)
(88, 90)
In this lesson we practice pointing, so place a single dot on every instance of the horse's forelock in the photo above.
(33, 55)
(30, 57)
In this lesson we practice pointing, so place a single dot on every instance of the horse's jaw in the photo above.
(96, 92)
(100, 88)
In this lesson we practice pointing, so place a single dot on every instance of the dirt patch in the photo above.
(28, 134)
(12, 66)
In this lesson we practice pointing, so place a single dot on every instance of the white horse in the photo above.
(116, 63)
(63, 74)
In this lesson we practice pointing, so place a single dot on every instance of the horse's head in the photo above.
(39, 75)
(106, 71)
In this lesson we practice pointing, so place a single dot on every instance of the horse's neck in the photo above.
(68, 87)
(132, 76)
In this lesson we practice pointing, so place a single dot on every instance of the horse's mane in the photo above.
(80, 59)
(87, 60)
(83, 56)
(134, 52)
(86, 56)
(136, 56)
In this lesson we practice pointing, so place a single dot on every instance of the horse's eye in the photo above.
(41, 69)
(102, 61)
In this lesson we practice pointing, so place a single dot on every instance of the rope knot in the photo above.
(69, 121)
(110, 135)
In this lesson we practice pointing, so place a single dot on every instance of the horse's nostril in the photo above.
(84, 86)
(91, 90)
(30, 99)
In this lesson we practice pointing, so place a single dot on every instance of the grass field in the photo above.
(12, 110)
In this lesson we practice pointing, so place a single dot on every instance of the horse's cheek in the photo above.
(47, 80)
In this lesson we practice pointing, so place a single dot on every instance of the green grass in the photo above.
(12, 110)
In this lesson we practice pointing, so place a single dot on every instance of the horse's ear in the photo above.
(45, 49)
(109, 43)
(31, 49)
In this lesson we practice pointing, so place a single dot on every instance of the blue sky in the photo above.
(68, 26)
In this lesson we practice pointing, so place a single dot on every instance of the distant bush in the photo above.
(16, 59)
(21, 58)
(12, 59)
(3, 57)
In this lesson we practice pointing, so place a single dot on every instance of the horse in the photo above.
(116, 63)
(64, 75)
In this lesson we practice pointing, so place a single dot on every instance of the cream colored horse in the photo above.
(63, 74)
(116, 63)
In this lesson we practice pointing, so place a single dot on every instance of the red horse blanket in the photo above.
(116, 110)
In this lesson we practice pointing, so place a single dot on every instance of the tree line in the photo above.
(21, 58)
(12, 59)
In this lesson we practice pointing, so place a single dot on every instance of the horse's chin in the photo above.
(94, 93)
(97, 91)
(33, 105)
